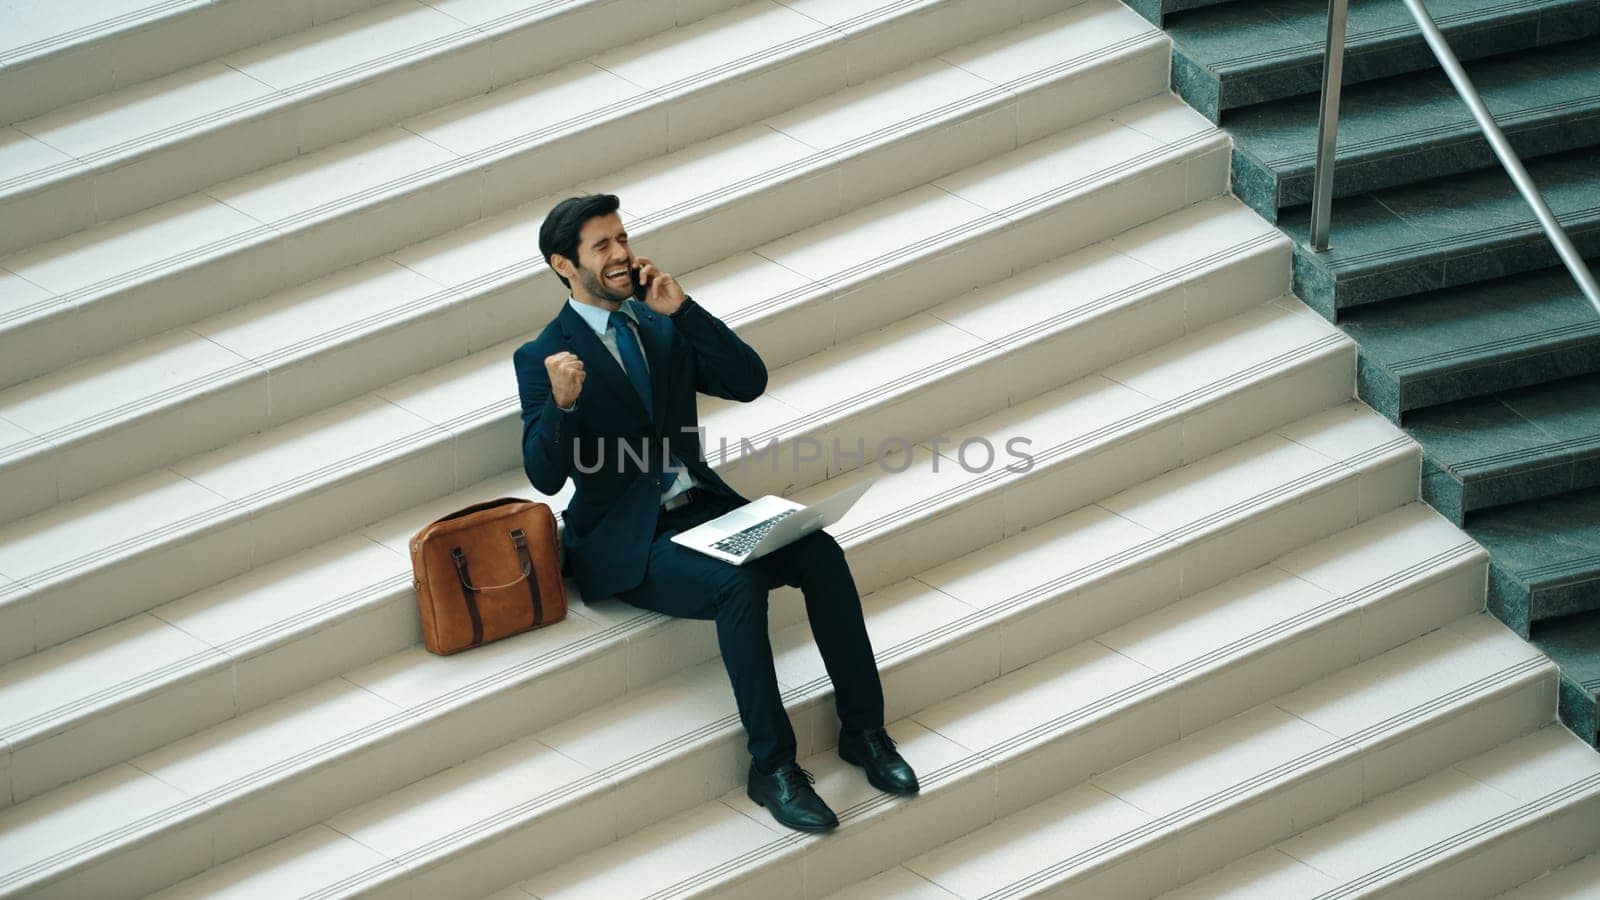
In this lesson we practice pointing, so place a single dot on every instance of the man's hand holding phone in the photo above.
(655, 288)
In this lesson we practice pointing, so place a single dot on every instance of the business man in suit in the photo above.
(608, 399)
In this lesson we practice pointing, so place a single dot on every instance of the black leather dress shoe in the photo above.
(874, 751)
(787, 794)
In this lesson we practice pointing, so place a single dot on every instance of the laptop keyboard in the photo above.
(740, 542)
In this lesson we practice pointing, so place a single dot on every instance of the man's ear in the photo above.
(562, 266)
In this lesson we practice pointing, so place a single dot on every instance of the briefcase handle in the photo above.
(461, 560)
(519, 540)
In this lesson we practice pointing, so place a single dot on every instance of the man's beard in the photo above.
(597, 286)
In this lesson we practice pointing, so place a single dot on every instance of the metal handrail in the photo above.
(1327, 130)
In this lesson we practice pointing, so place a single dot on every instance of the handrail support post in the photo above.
(1328, 123)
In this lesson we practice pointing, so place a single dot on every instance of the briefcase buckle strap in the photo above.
(470, 592)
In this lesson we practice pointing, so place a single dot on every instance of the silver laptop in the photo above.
(765, 524)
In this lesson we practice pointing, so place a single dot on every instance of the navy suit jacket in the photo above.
(610, 521)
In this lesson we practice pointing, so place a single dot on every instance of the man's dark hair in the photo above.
(559, 233)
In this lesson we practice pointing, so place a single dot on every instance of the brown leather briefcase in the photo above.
(487, 572)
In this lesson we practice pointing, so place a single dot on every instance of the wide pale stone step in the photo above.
(247, 238)
(1046, 726)
(1232, 380)
(1229, 790)
(1571, 882)
(138, 684)
(152, 402)
(55, 54)
(1478, 827)
(219, 514)
(1250, 521)
(950, 628)
(231, 113)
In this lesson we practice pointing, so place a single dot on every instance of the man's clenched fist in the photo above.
(566, 377)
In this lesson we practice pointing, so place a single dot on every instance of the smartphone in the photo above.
(639, 290)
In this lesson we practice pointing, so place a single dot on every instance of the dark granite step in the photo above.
(1573, 643)
(1472, 341)
(1398, 130)
(1544, 557)
(1157, 10)
(1445, 232)
(1509, 447)
(1241, 53)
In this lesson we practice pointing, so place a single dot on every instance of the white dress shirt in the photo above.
(600, 320)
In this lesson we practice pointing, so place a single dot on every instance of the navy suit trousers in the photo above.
(681, 582)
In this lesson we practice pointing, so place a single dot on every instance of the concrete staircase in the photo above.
(257, 311)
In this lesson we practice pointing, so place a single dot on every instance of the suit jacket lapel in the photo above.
(600, 364)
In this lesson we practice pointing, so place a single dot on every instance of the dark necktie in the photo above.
(633, 364)
(632, 360)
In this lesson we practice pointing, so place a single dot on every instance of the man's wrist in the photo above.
(682, 307)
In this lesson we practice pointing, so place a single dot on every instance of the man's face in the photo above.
(602, 250)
